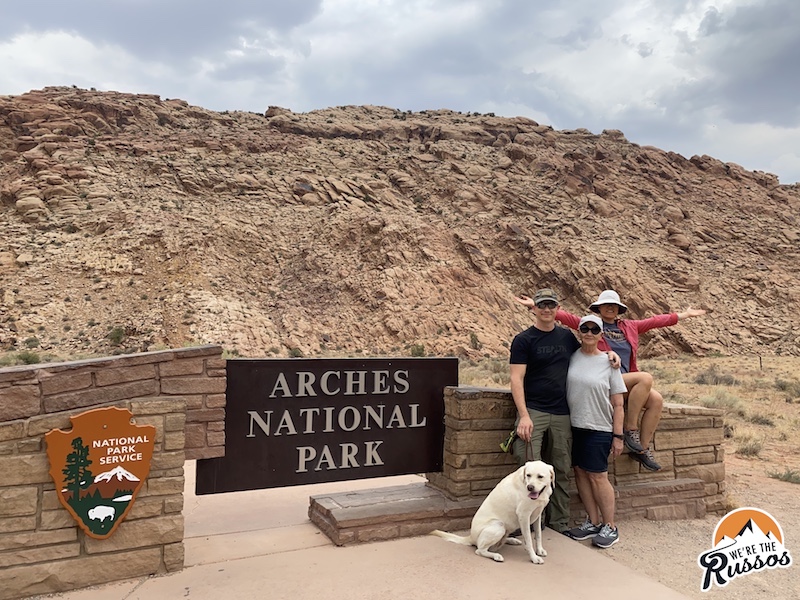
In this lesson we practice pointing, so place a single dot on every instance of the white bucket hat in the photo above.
(608, 297)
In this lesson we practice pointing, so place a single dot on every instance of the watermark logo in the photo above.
(746, 540)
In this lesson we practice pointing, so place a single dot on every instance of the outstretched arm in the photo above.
(526, 301)
(690, 312)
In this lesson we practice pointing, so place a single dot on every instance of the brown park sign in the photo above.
(300, 421)
(99, 466)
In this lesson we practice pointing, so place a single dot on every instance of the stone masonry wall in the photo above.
(688, 444)
(42, 549)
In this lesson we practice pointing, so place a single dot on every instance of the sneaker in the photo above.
(632, 440)
(647, 459)
(586, 530)
(607, 537)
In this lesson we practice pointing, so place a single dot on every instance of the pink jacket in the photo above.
(631, 328)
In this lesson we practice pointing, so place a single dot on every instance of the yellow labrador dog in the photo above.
(517, 502)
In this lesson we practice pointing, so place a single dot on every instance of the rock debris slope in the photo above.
(130, 222)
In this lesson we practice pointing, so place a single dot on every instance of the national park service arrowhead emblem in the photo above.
(99, 466)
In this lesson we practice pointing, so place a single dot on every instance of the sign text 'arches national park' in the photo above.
(300, 421)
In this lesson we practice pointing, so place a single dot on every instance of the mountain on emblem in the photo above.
(86, 465)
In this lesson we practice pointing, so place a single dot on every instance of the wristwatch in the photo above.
(619, 436)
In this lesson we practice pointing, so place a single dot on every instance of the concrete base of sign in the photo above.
(388, 513)
(417, 509)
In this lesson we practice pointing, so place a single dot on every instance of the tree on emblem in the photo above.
(76, 474)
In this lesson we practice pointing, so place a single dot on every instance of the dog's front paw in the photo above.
(536, 560)
(541, 552)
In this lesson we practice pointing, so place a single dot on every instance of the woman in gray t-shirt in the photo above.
(594, 396)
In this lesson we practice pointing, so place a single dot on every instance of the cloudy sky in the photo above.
(716, 77)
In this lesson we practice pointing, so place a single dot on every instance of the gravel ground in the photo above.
(668, 550)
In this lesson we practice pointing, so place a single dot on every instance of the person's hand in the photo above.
(614, 359)
(525, 429)
(526, 301)
(691, 312)
(616, 447)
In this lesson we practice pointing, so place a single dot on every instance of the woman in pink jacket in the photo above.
(622, 336)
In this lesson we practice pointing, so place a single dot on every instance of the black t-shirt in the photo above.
(546, 354)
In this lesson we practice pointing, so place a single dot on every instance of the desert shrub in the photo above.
(712, 376)
(748, 445)
(761, 420)
(474, 342)
(31, 342)
(724, 400)
(295, 353)
(488, 372)
(417, 350)
(788, 475)
(791, 387)
(116, 335)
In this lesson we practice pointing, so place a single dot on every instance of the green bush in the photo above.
(116, 335)
(417, 350)
(712, 376)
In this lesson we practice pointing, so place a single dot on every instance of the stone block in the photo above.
(215, 401)
(138, 534)
(713, 473)
(56, 519)
(164, 486)
(175, 422)
(667, 440)
(191, 366)
(205, 452)
(18, 501)
(11, 431)
(79, 572)
(174, 557)
(15, 524)
(193, 385)
(29, 539)
(146, 507)
(168, 460)
(19, 402)
(209, 414)
(23, 469)
(121, 374)
(38, 555)
(215, 438)
(195, 435)
(45, 423)
(159, 405)
(95, 397)
(473, 442)
(174, 440)
(65, 382)
(173, 504)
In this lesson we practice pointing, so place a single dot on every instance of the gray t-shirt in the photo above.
(590, 382)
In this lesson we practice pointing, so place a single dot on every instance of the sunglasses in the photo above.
(547, 304)
(594, 329)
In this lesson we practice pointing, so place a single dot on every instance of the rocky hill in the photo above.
(130, 222)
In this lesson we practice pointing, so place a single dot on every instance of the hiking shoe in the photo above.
(632, 440)
(647, 459)
(586, 530)
(607, 537)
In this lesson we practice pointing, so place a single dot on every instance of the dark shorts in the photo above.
(590, 449)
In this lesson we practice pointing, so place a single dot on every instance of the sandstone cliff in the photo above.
(131, 222)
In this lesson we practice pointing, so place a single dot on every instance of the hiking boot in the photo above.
(607, 537)
(586, 530)
(647, 459)
(632, 440)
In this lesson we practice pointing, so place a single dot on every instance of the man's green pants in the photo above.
(551, 442)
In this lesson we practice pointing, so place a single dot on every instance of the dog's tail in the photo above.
(464, 540)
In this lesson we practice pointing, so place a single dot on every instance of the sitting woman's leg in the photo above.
(651, 417)
(639, 385)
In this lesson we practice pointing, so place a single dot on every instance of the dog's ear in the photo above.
(552, 479)
(522, 470)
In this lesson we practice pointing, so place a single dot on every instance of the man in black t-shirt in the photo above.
(539, 361)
